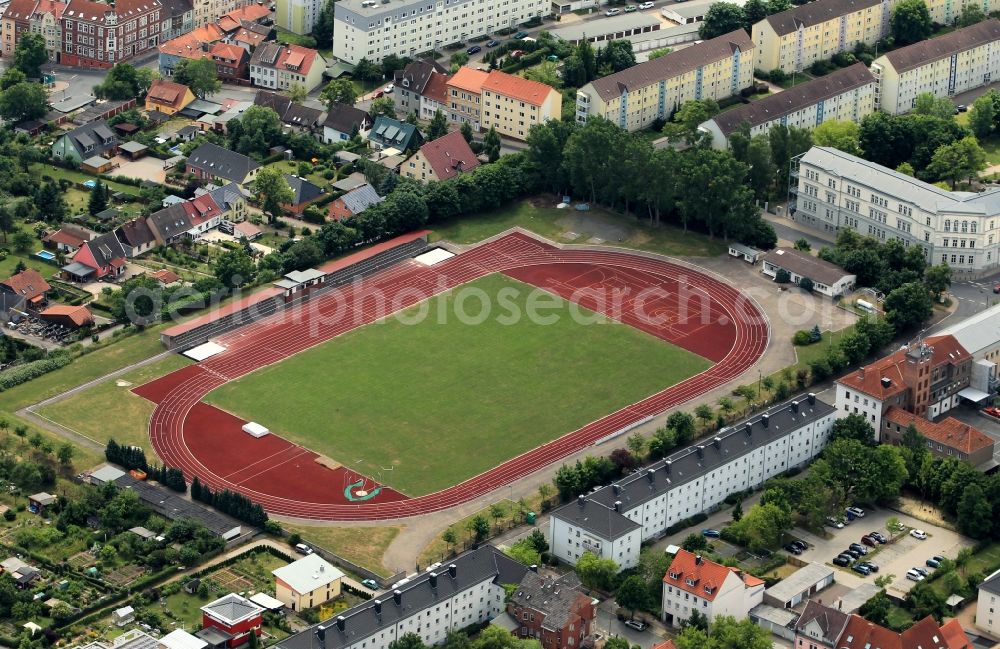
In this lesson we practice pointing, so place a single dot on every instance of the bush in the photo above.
(806, 284)
(801, 338)
(23, 373)
(782, 276)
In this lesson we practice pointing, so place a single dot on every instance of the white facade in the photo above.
(852, 402)
(832, 190)
(841, 286)
(373, 30)
(988, 605)
(690, 481)
(732, 597)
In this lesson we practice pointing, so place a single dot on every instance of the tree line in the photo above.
(230, 502)
(133, 457)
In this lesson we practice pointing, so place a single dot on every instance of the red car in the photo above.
(996, 288)
(869, 541)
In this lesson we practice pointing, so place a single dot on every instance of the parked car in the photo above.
(857, 547)
(856, 511)
(370, 583)
(475, 49)
(854, 554)
(794, 549)
(913, 575)
(612, 12)
(923, 571)
(713, 534)
(516, 54)
(871, 566)
(962, 108)
(933, 562)
(861, 569)
(879, 536)
(833, 522)
(996, 288)
(842, 560)
(646, 5)
(802, 545)
(302, 548)
(388, 89)
(492, 43)
(869, 541)
(918, 534)
(631, 8)
(635, 624)
(518, 36)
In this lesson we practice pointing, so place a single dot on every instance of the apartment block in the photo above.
(100, 35)
(945, 66)
(513, 104)
(830, 189)
(298, 16)
(795, 39)
(613, 521)
(465, 96)
(635, 98)
(693, 583)
(280, 67)
(847, 94)
(374, 29)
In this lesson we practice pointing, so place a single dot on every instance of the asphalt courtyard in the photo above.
(893, 558)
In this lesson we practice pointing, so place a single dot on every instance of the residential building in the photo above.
(926, 634)
(441, 159)
(830, 189)
(177, 18)
(307, 582)
(99, 35)
(168, 97)
(104, 256)
(465, 96)
(192, 45)
(552, 611)
(21, 573)
(298, 16)
(388, 133)
(638, 96)
(373, 30)
(136, 237)
(925, 378)
(693, 583)
(614, 520)
(46, 20)
(945, 66)
(231, 616)
(212, 162)
(819, 627)
(68, 238)
(513, 104)
(468, 591)
(988, 604)
(123, 616)
(847, 94)
(353, 202)
(232, 62)
(181, 639)
(295, 116)
(28, 284)
(794, 39)
(169, 224)
(87, 141)
(828, 279)
(15, 22)
(342, 122)
(207, 11)
(281, 67)
(947, 437)
(411, 82)
(231, 199)
(304, 194)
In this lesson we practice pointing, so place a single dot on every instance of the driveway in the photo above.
(892, 559)
(147, 168)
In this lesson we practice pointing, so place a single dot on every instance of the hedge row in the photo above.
(24, 373)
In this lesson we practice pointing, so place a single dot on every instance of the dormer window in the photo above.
(709, 589)
(690, 581)
(674, 575)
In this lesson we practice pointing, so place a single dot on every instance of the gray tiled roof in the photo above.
(794, 99)
(992, 583)
(416, 74)
(830, 620)
(222, 163)
(551, 597)
(362, 621)
(105, 248)
(806, 265)
(361, 198)
(231, 607)
(394, 133)
(814, 13)
(688, 464)
(303, 190)
(933, 49)
(95, 134)
(672, 65)
(344, 118)
(171, 221)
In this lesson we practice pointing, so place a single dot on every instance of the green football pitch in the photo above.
(424, 406)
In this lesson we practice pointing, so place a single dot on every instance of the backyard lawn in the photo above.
(399, 387)
(364, 546)
(613, 229)
(43, 170)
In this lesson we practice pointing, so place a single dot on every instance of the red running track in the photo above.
(726, 327)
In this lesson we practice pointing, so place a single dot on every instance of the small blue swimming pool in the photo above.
(46, 255)
(90, 184)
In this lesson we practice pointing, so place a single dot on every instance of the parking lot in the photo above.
(894, 558)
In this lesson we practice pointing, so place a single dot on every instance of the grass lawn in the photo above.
(983, 562)
(8, 264)
(364, 546)
(83, 412)
(43, 170)
(550, 222)
(378, 398)
(291, 38)
(991, 145)
(289, 167)
(794, 80)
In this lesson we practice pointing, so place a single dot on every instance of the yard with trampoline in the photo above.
(421, 407)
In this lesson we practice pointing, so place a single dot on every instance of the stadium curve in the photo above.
(277, 337)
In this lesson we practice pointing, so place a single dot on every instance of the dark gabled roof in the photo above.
(394, 133)
(176, 7)
(171, 506)
(106, 248)
(299, 115)
(814, 13)
(416, 74)
(485, 564)
(806, 265)
(360, 198)
(830, 620)
(171, 221)
(274, 101)
(672, 65)
(96, 134)
(304, 190)
(596, 513)
(227, 195)
(135, 233)
(924, 52)
(449, 155)
(794, 99)
(344, 118)
(221, 162)
(557, 600)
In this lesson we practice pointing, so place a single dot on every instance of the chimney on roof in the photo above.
(618, 506)
(748, 429)
(763, 419)
(581, 500)
(341, 622)
(617, 488)
(378, 607)
(434, 580)
(795, 406)
(453, 570)
(697, 559)
(397, 597)
(666, 466)
(533, 567)
(717, 442)
(886, 382)
(812, 398)
(651, 474)
(701, 451)
(321, 634)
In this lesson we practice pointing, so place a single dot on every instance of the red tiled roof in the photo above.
(78, 315)
(118, 262)
(64, 237)
(201, 209)
(166, 276)
(95, 12)
(701, 577)
(437, 88)
(868, 379)
(296, 57)
(19, 10)
(228, 24)
(28, 282)
(167, 93)
(949, 431)
(669, 644)
(449, 155)
(50, 7)
(253, 13)
(253, 39)
(955, 635)
(519, 88)
(469, 79)
(228, 51)
(925, 634)
(189, 45)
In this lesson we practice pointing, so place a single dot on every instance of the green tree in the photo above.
(497, 512)
(690, 115)
(970, 15)
(382, 106)
(803, 244)
(761, 527)
(958, 160)
(762, 170)
(737, 514)
(65, 454)
(975, 514)
(926, 103)
(588, 60)
(408, 641)
(467, 133)
(876, 610)
(984, 111)
(524, 552)
(636, 445)
(721, 18)
(30, 54)
(23, 101)
(123, 81)
(11, 77)
(839, 134)
(546, 72)
(633, 594)
(323, 27)
(657, 53)
(366, 70)
(908, 306)
(855, 472)
(544, 492)
(339, 91)
(478, 527)
(617, 55)
(937, 279)
(854, 427)
(910, 22)
(754, 11)
(450, 537)
(438, 126)
(274, 191)
(491, 144)
(235, 268)
(98, 201)
(595, 572)
(200, 75)
(906, 169)
(297, 93)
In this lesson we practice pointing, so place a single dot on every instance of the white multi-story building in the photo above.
(693, 583)
(374, 29)
(468, 591)
(613, 521)
(281, 67)
(831, 189)
(847, 94)
(945, 66)
(988, 605)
